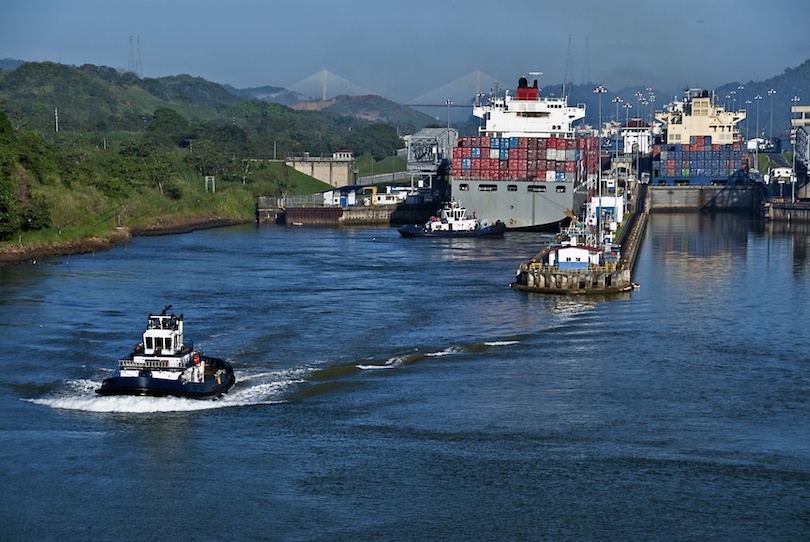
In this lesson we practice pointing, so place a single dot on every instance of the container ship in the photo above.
(526, 167)
(700, 143)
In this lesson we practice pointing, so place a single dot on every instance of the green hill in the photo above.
(86, 149)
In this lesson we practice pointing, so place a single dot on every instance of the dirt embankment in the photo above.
(34, 252)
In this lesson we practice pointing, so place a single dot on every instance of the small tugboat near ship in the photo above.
(453, 222)
(162, 365)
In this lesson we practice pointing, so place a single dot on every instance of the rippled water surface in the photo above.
(398, 389)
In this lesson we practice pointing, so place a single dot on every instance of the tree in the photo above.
(375, 139)
(168, 123)
(9, 211)
(37, 214)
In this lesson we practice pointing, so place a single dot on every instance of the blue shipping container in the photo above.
(466, 163)
(504, 154)
(475, 152)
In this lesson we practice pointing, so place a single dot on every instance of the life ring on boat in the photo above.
(484, 223)
(196, 358)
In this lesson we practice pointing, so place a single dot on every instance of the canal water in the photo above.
(398, 389)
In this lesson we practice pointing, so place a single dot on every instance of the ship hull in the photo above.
(496, 230)
(520, 204)
(145, 385)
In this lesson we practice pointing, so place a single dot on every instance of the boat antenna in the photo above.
(166, 309)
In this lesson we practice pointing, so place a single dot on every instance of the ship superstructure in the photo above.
(526, 168)
(698, 115)
(526, 114)
(700, 143)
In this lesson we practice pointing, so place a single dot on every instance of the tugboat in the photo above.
(162, 365)
(453, 222)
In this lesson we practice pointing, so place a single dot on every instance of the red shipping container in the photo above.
(532, 143)
(542, 144)
(559, 167)
(570, 167)
(531, 154)
(523, 143)
(466, 152)
(523, 154)
(485, 142)
(542, 165)
(476, 163)
(715, 147)
(503, 165)
(457, 163)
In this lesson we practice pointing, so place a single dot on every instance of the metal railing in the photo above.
(310, 200)
(153, 364)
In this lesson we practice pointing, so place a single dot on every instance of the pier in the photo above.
(538, 276)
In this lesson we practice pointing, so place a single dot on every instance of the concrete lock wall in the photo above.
(336, 173)
(701, 197)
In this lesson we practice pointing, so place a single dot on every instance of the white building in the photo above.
(573, 257)
(637, 132)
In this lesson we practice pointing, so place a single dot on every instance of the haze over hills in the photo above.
(29, 86)
(774, 108)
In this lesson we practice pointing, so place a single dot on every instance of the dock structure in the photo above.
(540, 275)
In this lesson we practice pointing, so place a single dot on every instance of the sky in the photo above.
(405, 50)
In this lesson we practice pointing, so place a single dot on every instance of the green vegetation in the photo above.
(368, 165)
(130, 152)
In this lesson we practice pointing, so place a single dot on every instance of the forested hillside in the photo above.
(86, 149)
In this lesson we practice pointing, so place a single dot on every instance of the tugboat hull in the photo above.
(496, 230)
(146, 386)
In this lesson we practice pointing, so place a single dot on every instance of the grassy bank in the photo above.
(84, 218)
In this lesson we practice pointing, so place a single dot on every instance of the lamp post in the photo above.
(795, 101)
(627, 107)
(758, 98)
(599, 90)
(449, 103)
(747, 131)
(771, 92)
(617, 100)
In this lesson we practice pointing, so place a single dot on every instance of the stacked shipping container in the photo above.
(700, 158)
(524, 158)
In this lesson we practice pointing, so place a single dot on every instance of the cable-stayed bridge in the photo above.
(325, 85)
(461, 92)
